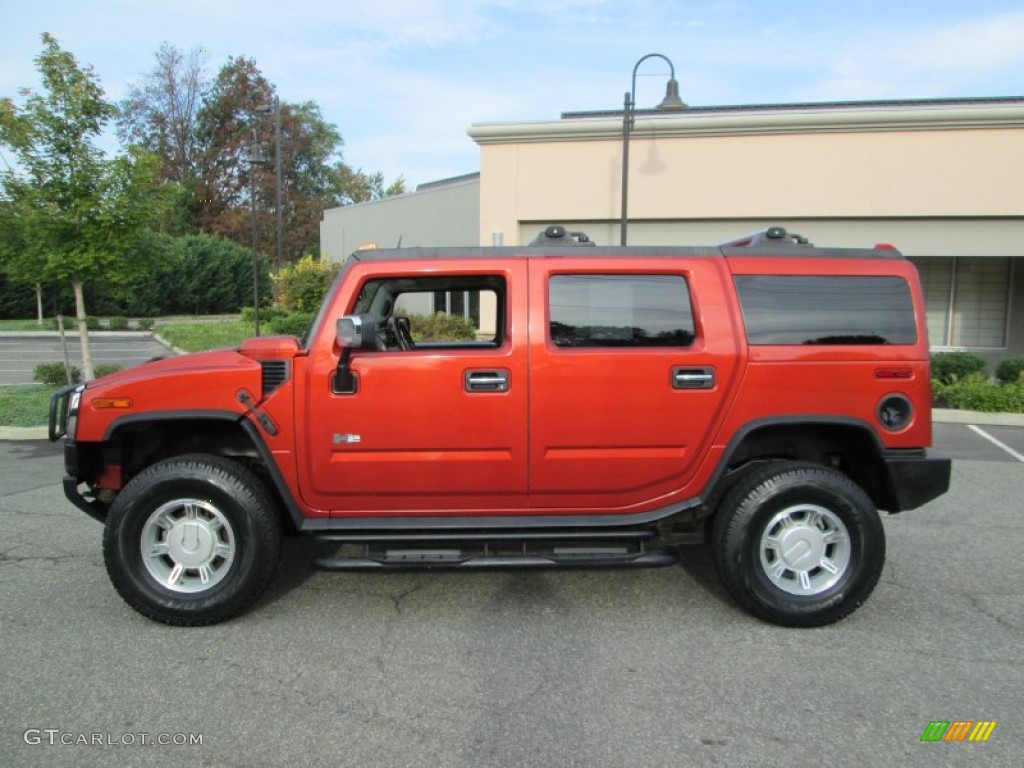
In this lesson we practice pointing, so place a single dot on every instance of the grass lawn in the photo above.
(199, 337)
(30, 325)
(25, 405)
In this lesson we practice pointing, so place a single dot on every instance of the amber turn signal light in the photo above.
(102, 403)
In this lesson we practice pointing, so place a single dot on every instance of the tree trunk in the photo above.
(88, 374)
(39, 303)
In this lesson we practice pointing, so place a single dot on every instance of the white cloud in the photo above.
(404, 79)
(927, 61)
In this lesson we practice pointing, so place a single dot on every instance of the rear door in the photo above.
(631, 367)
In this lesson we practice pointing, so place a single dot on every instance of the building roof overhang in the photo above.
(833, 117)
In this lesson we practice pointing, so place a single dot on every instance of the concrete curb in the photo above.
(952, 416)
(166, 343)
(23, 433)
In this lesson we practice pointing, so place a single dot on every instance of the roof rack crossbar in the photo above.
(771, 236)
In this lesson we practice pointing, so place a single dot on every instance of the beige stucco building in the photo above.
(941, 180)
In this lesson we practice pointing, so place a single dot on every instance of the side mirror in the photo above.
(356, 332)
(351, 332)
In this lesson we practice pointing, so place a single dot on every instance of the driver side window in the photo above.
(435, 312)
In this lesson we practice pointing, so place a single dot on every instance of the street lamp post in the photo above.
(255, 157)
(265, 109)
(670, 102)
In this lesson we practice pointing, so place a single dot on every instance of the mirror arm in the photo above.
(344, 381)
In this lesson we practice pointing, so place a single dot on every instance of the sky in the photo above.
(403, 80)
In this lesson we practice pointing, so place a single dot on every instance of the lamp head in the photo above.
(672, 100)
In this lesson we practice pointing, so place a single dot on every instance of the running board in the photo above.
(361, 552)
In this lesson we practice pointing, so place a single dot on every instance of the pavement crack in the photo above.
(6, 559)
(396, 599)
(976, 602)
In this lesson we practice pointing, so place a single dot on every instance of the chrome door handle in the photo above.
(486, 381)
(693, 378)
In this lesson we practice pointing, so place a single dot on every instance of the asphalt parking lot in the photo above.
(21, 353)
(584, 668)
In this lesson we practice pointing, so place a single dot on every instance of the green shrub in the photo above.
(71, 324)
(267, 314)
(974, 393)
(118, 323)
(948, 367)
(105, 369)
(144, 323)
(1010, 370)
(301, 287)
(291, 325)
(441, 327)
(54, 375)
(213, 275)
(17, 298)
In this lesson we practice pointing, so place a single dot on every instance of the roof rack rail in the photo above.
(770, 236)
(556, 234)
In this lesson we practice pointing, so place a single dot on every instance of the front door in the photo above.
(437, 424)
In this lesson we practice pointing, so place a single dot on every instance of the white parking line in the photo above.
(998, 443)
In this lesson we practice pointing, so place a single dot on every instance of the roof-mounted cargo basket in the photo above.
(773, 236)
(556, 234)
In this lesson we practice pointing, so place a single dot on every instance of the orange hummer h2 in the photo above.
(604, 407)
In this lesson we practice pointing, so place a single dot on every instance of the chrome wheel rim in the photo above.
(805, 549)
(188, 545)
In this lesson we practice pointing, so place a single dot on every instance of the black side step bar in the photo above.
(523, 549)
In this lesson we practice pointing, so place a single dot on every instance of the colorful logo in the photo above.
(958, 730)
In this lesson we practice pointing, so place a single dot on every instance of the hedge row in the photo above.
(194, 275)
(949, 367)
(978, 394)
(55, 375)
(960, 380)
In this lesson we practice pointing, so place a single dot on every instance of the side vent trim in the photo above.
(274, 374)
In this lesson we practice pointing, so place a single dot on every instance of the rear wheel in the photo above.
(192, 540)
(798, 544)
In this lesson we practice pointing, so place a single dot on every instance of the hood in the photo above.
(203, 382)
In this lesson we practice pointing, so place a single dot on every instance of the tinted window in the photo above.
(620, 311)
(826, 310)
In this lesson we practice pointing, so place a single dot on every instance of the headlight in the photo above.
(73, 403)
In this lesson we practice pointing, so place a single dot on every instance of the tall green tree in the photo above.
(78, 214)
(20, 263)
(204, 131)
(161, 113)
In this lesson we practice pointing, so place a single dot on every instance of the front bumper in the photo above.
(73, 471)
(916, 477)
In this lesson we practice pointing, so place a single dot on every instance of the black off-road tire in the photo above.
(781, 530)
(192, 540)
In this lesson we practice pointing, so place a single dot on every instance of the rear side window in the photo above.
(838, 309)
(620, 311)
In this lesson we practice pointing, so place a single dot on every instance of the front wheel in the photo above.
(192, 540)
(798, 544)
